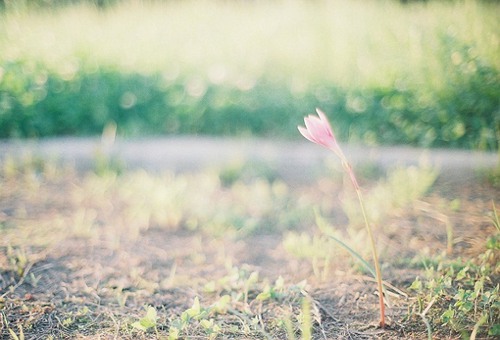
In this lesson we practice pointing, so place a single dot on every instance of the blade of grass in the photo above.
(496, 220)
(320, 222)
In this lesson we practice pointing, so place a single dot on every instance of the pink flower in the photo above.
(319, 131)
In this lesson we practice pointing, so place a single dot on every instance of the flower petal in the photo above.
(314, 125)
(318, 130)
(324, 120)
(306, 133)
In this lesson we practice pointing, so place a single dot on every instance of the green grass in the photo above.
(425, 74)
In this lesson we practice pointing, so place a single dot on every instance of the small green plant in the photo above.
(462, 296)
(18, 260)
(243, 296)
(148, 321)
(201, 315)
(33, 279)
(275, 292)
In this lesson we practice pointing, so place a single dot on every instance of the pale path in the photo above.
(294, 160)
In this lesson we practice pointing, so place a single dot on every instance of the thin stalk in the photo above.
(375, 261)
(349, 170)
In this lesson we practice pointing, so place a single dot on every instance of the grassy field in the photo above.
(346, 43)
(239, 253)
(425, 74)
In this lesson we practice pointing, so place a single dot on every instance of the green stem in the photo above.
(375, 261)
(350, 172)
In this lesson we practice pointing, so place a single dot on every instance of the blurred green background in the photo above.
(385, 72)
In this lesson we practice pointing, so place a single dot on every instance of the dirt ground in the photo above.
(64, 277)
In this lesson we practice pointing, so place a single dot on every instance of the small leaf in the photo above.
(195, 312)
(264, 296)
(173, 333)
(148, 321)
(151, 314)
(195, 308)
(221, 305)
(494, 330)
(207, 324)
(462, 274)
(416, 285)
(253, 278)
(448, 315)
(139, 326)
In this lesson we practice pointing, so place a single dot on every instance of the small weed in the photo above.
(201, 317)
(18, 260)
(148, 321)
(242, 296)
(33, 279)
(462, 295)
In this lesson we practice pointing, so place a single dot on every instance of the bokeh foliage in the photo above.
(426, 75)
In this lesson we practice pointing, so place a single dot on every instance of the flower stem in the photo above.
(349, 170)
(375, 261)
